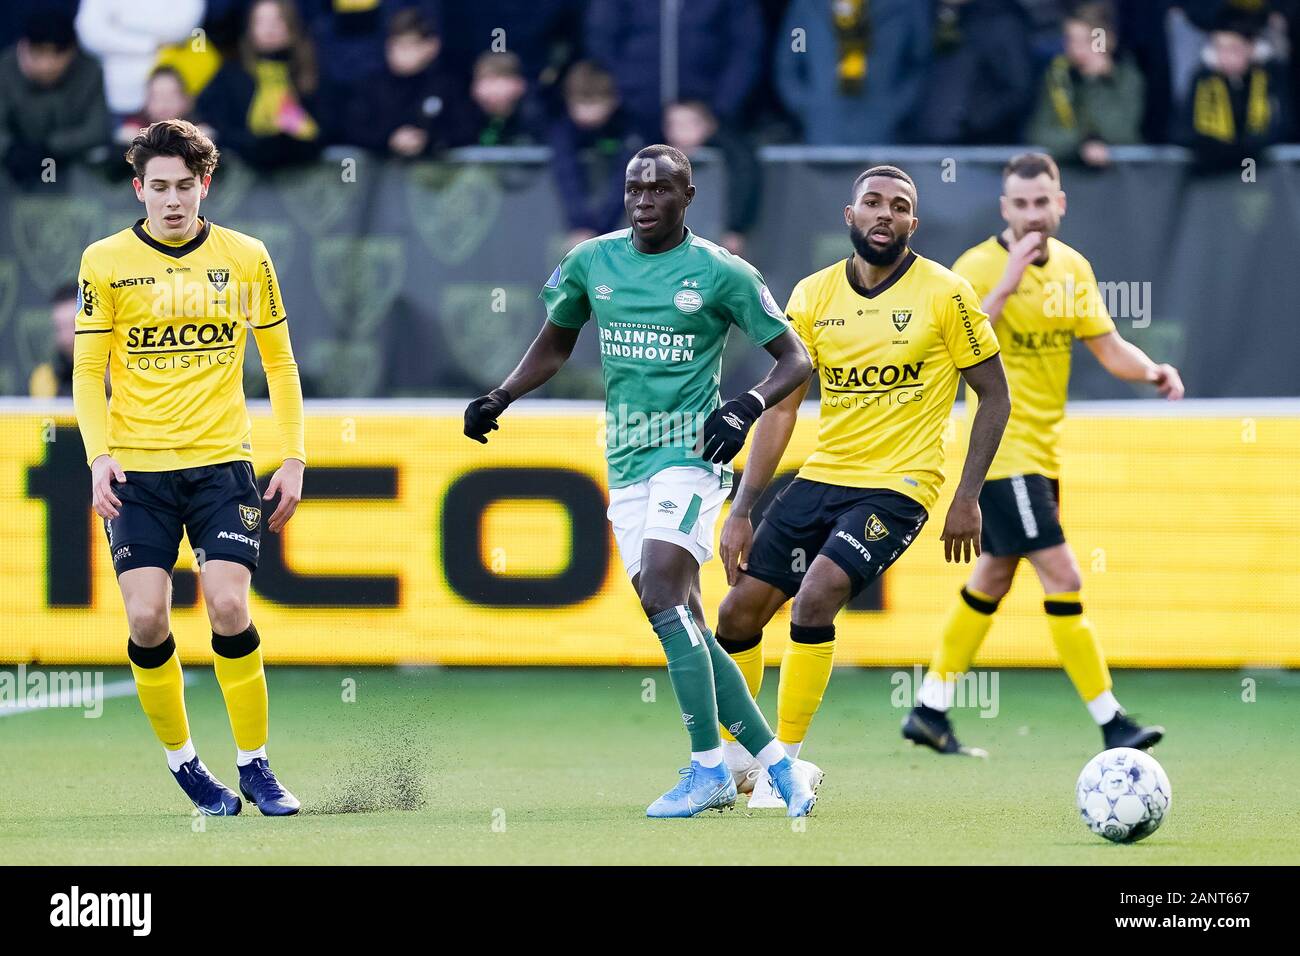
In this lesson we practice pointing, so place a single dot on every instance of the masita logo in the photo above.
(74, 908)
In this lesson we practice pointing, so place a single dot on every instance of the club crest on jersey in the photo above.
(688, 300)
(251, 516)
(875, 529)
(219, 278)
(769, 304)
(901, 318)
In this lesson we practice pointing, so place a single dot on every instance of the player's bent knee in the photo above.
(149, 622)
(228, 611)
(816, 604)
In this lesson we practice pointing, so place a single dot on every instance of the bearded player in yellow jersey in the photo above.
(166, 305)
(889, 333)
(1040, 296)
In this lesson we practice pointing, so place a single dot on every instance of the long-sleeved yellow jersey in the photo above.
(170, 322)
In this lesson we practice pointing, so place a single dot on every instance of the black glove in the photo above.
(482, 413)
(726, 428)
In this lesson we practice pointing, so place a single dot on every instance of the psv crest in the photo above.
(219, 278)
(901, 318)
(875, 529)
(251, 516)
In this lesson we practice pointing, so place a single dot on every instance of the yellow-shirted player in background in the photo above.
(889, 333)
(166, 305)
(1040, 296)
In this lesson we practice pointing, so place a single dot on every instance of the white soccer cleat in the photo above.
(747, 777)
(765, 796)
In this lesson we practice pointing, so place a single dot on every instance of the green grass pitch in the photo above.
(557, 766)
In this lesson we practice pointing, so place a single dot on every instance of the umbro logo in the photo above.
(603, 291)
(733, 420)
(737, 728)
(668, 505)
(688, 719)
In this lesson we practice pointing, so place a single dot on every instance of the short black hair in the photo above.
(682, 165)
(1030, 166)
(50, 28)
(892, 172)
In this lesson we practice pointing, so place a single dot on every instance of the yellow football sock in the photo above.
(237, 659)
(748, 655)
(1077, 644)
(965, 631)
(805, 672)
(161, 687)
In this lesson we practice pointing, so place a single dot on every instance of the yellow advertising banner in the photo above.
(415, 545)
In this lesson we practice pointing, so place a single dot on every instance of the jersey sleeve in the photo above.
(966, 330)
(271, 330)
(565, 292)
(90, 352)
(750, 304)
(801, 319)
(976, 270)
(1092, 317)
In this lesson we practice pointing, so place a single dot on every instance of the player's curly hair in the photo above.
(174, 137)
(892, 172)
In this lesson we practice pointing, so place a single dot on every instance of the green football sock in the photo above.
(690, 670)
(737, 710)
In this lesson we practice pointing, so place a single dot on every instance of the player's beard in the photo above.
(876, 257)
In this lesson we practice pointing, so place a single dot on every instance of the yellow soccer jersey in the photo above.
(171, 321)
(888, 360)
(1056, 303)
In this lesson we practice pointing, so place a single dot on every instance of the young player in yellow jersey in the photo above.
(166, 305)
(889, 333)
(1040, 296)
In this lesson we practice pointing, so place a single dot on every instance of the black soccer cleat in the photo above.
(1123, 731)
(931, 728)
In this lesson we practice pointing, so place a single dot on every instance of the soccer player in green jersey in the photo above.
(663, 300)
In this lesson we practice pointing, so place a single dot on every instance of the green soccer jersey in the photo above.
(663, 322)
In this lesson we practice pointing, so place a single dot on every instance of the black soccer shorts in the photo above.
(1021, 514)
(218, 506)
(863, 530)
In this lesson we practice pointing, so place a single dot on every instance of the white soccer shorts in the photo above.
(679, 505)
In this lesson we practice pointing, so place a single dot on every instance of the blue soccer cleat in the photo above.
(210, 795)
(791, 783)
(701, 788)
(258, 784)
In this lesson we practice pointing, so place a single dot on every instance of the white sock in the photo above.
(1103, 707)
(937, 694)
(792, 750)
(184, 754)
(707, 758)
(244, 757)
(736, 755)
(773, 753)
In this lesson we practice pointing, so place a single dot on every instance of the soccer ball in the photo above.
(1123, 795)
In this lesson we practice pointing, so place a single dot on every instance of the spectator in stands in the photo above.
(410, 107)
(54, 377)
(980, 86)
(51, 98)
(853, 71)
(591, 145)
(1237, 105)
(126, 36)
(506, 114)
(1090, 101)
(691, 126)
(1144, 30)
(719, 55)
(351, 35)
(165, 98)
(545, 34)
(261, 103)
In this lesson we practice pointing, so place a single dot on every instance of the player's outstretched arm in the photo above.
(771, 438)
(961, 528)
(727, 427)
(546, 356)
(1129, 363)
